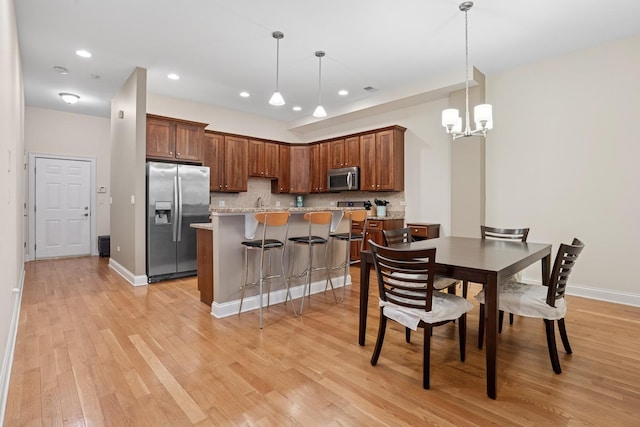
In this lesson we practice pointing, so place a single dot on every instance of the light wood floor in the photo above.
(93, 350)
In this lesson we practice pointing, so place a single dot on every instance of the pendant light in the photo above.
(482, 113)
(319, 111)
(276, 98)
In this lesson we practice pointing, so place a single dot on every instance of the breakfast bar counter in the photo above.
(231, 226)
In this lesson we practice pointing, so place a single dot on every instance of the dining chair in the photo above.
(275, 228)
(506, 234)
(348, 237)
(407, 296)
(546, 302)
(399, 236)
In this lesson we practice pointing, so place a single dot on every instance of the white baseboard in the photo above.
(7, 360)
(127, 275)
(230, 308)
(607, 295)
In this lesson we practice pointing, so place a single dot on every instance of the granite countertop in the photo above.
(218, 211)
(203, 226)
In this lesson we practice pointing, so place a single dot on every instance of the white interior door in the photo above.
(62, 207)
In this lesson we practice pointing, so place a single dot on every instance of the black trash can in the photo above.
(104, 245)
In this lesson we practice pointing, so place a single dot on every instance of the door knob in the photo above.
(85, 214)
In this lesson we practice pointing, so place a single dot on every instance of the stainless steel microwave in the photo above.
(343, 179)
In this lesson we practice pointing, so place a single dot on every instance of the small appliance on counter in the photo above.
(299, 202)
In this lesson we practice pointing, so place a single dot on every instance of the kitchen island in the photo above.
(229, 227)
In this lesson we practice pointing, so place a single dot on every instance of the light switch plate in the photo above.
(133, 199)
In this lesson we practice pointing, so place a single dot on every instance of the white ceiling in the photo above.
(222, 47)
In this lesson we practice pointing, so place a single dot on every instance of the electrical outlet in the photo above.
(221, 203)
(277, 203)
(118, 248)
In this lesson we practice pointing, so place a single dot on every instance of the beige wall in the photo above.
(128, 176)
(67, 134)
(563, 159)
(11, 184)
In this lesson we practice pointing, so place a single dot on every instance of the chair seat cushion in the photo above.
(444, 307)
(268, 243)
(345, 236)
(527, 300)
(305, 239)
(439, 282)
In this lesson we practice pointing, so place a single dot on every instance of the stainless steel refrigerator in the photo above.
(177, 196)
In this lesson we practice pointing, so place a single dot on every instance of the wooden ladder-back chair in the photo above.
(407, 296)
(546, 302)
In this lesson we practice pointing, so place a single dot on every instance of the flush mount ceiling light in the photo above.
(69, 98)
(60, 70)
(173, 76)
(482, 113)
(245, 94)
(319, 111)
(276, 98)
(83, 53)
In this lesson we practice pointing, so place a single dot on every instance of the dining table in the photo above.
(485, 261)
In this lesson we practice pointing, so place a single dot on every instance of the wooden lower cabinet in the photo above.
(204, 255)
(373, 232)
(424, 230)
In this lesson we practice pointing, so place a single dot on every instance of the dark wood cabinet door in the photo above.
(283, 183)
(299, 179)
(256, 158)
(212, 153)
(271, 159)
(236, 151)
(352, 151)
(160, 139)
(368, 167)
(323, 167)
(188, 142)
(385, 173)
(336, 155)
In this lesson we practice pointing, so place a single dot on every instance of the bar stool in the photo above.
(320, 222)
(357, 216)
(265, 246)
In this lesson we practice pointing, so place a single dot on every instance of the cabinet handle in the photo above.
(171, 152)
(178, 154)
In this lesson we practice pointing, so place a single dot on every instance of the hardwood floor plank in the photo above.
(182, 398)
(93, 350)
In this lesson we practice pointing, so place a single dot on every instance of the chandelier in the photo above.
(482, 113)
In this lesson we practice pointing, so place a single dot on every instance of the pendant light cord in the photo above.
(466, 69)
(277, 64)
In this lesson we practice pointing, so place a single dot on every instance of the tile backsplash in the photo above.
(260, 187)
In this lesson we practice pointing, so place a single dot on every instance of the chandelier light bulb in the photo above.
(483, 113)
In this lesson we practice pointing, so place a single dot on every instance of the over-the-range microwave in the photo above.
(343, 179)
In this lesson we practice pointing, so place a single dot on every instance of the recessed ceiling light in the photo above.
(297, 108)
(69, 98)
(94, 76)
(343, 92)
(60, 70)
(83, 53)
(173, 76)
(244, 94)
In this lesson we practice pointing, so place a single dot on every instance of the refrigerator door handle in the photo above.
(175, 210)
(179, 209)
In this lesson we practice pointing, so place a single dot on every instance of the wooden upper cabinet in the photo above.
(320, 154)
(263, 159)
(236, 163)
(226, 157)
(161, 138)
(283, 183)
(300, 168)
(174, 139)
(382, 160)
(344, 152)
